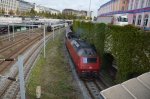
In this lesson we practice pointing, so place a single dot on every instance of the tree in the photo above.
(11, 12)
(32, 12)
(0, 11)
(17, 11)
(3, 12)
(24, 13)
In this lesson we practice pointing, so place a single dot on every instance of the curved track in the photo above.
(12, 51)
(15, 50)
(11, 89)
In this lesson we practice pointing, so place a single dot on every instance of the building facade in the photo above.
(24, 6)
(113, 7)
(138, 11)
(8, 5)
(74, 12)
(39, 9)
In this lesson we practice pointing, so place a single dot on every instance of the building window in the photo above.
(139, 20)
(122, 9)
(148, 3)
(134, 19)
(146, 20)
(142, 3)
(124, 2)
(131, 5)
(136, 4)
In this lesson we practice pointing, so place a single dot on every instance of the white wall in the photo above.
(10, 20)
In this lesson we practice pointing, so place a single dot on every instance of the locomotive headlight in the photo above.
(85, 60)
(90, 67)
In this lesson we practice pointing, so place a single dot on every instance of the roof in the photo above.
(83, 48)
(136, 88)
(83, 44)
(146, 9)
(107, 3)
(25, 2)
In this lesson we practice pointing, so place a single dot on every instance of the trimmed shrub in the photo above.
(129, 45)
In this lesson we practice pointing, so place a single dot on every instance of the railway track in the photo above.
(94, 87)
(6, 36)
(12, 89)
(24, 45)
(7, 65)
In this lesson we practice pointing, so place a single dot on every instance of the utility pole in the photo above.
(90, 10)
(13, 33)
(21, 76)
(8, 32)
(44, 41)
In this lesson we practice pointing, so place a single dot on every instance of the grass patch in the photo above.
(52, 74)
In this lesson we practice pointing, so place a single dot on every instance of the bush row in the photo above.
(129, 45)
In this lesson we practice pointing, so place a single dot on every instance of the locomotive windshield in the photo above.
(89, 60)
(83, 48)
(87, 52)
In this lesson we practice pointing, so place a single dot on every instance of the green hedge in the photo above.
(129, 45)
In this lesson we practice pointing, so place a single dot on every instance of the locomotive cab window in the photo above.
(86, 52)
(89, 60)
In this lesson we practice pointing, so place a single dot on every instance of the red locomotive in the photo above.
(84, 56)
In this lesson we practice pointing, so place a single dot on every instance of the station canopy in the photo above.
(136, 88)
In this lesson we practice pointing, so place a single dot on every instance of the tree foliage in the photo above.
(32, 13)
(11, 12)
(129, 45)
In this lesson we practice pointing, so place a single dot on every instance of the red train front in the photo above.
(84, 56)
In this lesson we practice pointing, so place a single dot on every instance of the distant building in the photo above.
(39, 9)
(24, 6)
(113, 7)
(83, 13)
(138, 11)
(8, 5)
(74, 12)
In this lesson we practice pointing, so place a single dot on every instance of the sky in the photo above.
(71, 4)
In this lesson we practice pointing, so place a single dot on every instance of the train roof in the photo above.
(83, 48)
(80, 43)
(83, 44)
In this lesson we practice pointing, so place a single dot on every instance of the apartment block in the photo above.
(8, 5)
(39, 9)
(24, 6)
(138, 11)
(74, 12)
